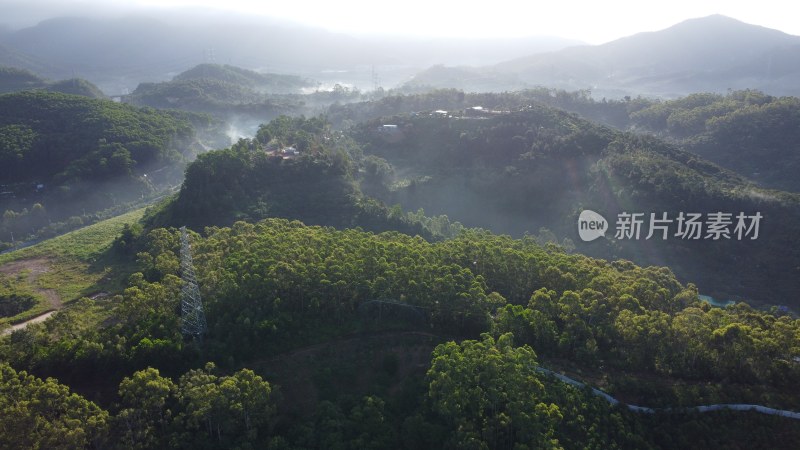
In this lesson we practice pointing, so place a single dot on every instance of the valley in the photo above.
(221, 230)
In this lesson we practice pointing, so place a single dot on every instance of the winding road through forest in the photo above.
(634, 408)
(702, 408)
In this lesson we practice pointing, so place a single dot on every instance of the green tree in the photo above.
(490, 393)
(145, 413)
(229, 410)
(370, 428)
(36, 413)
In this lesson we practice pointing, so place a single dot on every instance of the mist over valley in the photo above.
(422, 226)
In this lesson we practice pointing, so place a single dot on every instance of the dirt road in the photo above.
(34, 267)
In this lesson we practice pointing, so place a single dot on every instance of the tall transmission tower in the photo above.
(376, 80)
(193, 319)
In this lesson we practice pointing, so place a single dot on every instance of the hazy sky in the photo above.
(593, 21)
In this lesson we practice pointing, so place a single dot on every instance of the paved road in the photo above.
(703, 408)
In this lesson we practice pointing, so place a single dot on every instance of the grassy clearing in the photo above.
(85, 244)
(70, 266)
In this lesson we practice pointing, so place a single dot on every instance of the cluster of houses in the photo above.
(285, 152)
(474, 111)
(393, 133)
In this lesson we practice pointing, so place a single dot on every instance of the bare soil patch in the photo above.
(34, 267)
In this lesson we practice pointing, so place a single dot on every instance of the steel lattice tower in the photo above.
(193, 320)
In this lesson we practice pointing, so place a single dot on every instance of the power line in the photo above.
(193, 319)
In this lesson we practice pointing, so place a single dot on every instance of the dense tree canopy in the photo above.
(49, 136)
(519, 171)
(277, 285)
(336, 322)
(36, 413)
(253, 180)
(74, 155)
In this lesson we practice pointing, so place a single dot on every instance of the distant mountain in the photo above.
(76, 86)
(466, 78)
(225, 91)
(13, 58)
(714, 53)
(15, 80)
(272, 83)
(118, 54)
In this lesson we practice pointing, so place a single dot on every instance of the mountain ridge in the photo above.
(124, 51)
(714, 52)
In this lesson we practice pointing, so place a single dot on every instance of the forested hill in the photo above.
(76, 86)
(14, 80)
(224, 91)
(749, 132)
(294, 168)
(54, 137)
(271, 83)
(752, 133)
(514, 172)
(319, 336)
(73, 155)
